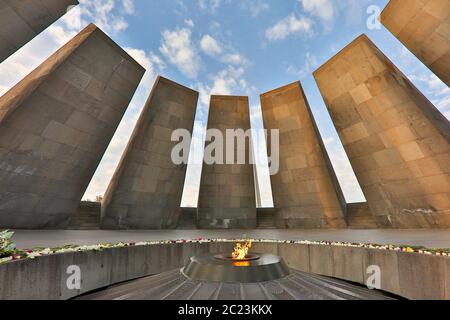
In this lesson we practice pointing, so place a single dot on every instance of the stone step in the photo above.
(266, 219)
(86, 218)
(188, 219)
(360, 216)
(363, 223)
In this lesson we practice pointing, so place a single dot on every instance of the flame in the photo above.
(241, 264)
(241, 250)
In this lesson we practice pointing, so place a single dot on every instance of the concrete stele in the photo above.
(55, 126)
(227, 191)
(21, 21)
(396, 140)
(145, 191)
(306, 191)
(424, 28)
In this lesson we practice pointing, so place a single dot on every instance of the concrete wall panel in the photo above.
(305, 190)
(424, 28)
(145, 191)
(395, 138)
(22, 20)
(227, 191)
(55, 126)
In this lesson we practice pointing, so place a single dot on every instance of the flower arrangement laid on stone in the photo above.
(14, 254)
(7, 247)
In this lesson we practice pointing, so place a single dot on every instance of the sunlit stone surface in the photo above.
(424, 28)
(396, 140)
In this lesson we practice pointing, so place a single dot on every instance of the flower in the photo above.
(34, 253)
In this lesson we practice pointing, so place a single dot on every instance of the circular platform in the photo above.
(222, 268)
(173, 285)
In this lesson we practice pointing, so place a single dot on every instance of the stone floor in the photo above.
(53, 238)
(173, 285)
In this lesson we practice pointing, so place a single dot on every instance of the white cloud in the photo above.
(436, 85)
(329, 141)
(214, 48)
(290, 25)
(255, 7)
(189, 23)
(229, 81)
(323, 9)
(178, 49)
(353, 12)
(60, 35)
(128, 6)
(310, 64)
(119, 24)
(209, 5)
(235, 59)
(210, 46)
(157, 61)
(101, 13)
(147, 61)
(436, 90)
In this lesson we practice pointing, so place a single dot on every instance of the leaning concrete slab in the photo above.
(396, 140)
(227, 191)
(424, 28)
(145, 191)
(21, 21)
(306, 191)
(55, 126)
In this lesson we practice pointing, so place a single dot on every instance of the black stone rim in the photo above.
(220, 268)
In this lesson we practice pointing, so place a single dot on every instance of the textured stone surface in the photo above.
(55, 126)
(145, 191)
(227, 192)
(388, 263)
(174, 285)
(396, 140)
(21, 21)
(359, 216)
(87, 217)
(419, 285)
(306, 191)
(423, 26)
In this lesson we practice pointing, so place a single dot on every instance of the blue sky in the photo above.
(239, 47)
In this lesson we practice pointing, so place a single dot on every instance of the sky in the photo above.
(230, 47)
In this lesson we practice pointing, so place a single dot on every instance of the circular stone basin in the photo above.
(222, 268)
